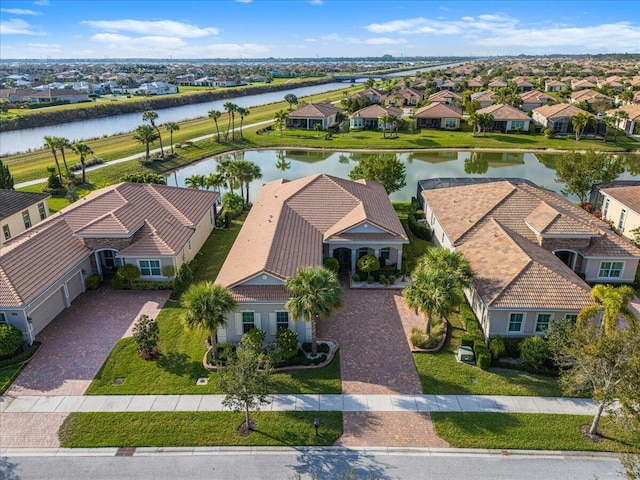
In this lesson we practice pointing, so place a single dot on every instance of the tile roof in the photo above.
(376, 111)
(160, 220)
(289, 221)
(501, 111)
(632, 110)
(535, 96)
(12, 201)
(559, 110)
(315, 110)
(438, 110)
(589, 96)
(444, 95)
(628, 196)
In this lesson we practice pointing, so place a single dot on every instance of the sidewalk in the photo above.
(342, 403)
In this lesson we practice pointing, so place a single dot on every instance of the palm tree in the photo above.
(619, 116)
(52, 143)
(485, 120)
(473, 122)
(83, 150)
(383, 121)
(247, 172)
(280, 118)
(207, 306)
(453, 263)
(63, 143)
(196, 181)
(243, 112)
(215, 181)
(432, 293)
(580, 122)
(315, 294)
(227, 168)
(215, 115)
(151, 116)
(282, 163)
(612, 303)
(230, 108)
(146, 135)
(171, 127)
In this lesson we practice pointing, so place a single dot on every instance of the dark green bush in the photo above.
(421, 231)
(467, 341)
(20, 357)
(149, 285)
(93, 282)
(183, 279)
(535, 351)
(322, 347)
(483, 355)
(10, 340)
(128, 272)
(119, 284)
(287, 342)
(253, 339)
(331, 263)
(512, 346)
(497, 346)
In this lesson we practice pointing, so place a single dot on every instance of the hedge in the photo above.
(483, 355)
(421, 231)
(21, 357)
(475, 338)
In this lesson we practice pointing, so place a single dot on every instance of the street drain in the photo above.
(202, 381)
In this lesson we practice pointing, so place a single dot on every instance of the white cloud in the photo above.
(379, 41)
(395, 25)
(41, 3)
(117, 41)
(316, 2)
(17, 26)
(160, 27)
(244, 1)
(19, 11)
(331, 36)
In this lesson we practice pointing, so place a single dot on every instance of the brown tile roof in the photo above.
(376, 111)
(289, 220)
(500, 111)
(315, 110)
(12, 201)
(632, 110)
(535, 96)
(546, 220)
(484, 96)
(260, 293)
(589, 96)
(160, 219)
(444, 95)
(515, 273)
(438, 110)
(628, 196)
(559, 110)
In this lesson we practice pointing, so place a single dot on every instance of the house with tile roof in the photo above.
(153, 227)
(438, 115)
(530, 249)
(300, 223)
(506, 118)
(590, 97)
(620, 204)
(19, 211)
(445, 96)
(557, 118)
(368, 118)
(554, 86)
(308, 116)
(631, 124)
(534, 99)
(485, 98)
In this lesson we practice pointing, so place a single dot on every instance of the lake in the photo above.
(293, 164)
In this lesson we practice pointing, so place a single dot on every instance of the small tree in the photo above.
(10, 339)
(368, 263)
(331, 263)
(580, 171)
(6, 179)
(534, 351)
(291, 99)
(245, 383)
(183, 279)
(146, 334)
(287, 343)
(386, 169)
(497, 346)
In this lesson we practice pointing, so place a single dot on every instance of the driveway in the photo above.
(77, 342)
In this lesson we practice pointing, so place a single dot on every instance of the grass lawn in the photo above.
(191, 429)
(177, 370)
(8, 375)
(530, 431)
(417, 247)
(440, 373)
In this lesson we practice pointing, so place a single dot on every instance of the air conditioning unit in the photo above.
(464, 354)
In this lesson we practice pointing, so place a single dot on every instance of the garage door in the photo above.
(74, 286)
(47, 311)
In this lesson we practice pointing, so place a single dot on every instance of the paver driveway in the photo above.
(77, 342)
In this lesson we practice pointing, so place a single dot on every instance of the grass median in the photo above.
(196, 429)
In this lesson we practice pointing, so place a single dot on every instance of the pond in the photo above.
(293, 164)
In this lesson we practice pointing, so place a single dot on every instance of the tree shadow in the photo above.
(8, 470)
(180, 364)
(339, 464)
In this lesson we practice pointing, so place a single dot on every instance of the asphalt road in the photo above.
(312, 464)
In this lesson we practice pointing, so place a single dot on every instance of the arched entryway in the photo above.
(343, 255)
(568, 257)
(108, 261)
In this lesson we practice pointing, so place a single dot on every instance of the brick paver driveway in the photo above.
(74, 347)
(375, 359)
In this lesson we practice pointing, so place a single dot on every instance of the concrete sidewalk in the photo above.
(343, 403)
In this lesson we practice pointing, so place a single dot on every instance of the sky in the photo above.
(184, 29)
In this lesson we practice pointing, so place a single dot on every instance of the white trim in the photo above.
(541, 332)
(522, 325)
(612, 262)
(575, 256)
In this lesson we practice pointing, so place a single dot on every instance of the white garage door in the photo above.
(74, 286)
(47, 311)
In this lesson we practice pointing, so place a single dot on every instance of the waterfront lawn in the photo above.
(528, 431)
(197, 429)
(441, 374)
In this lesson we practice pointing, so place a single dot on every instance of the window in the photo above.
(385, 252)
(517, 124)
(3, 319)
(515, 322)
(248, 322)
(149, 268)
(282, 320)
(610, 269)
(572, 317)
(623, 216)
(450, 123)
(6, 231)
(26, 218)
(42, 211)
(605, 209)
(543, 322)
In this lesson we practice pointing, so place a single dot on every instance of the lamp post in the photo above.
(316, 423)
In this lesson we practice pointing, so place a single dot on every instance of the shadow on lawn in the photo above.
(180, 364)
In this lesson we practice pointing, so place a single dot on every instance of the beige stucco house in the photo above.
(530, 248)
(150, 226)
(308, 116)
(300, 223)
(621, 206)
(20, 211)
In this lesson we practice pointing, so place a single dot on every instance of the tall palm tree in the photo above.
(196, 181)
(52, 143)
(611, 303)
(247, 172)
(63, 143)
(215, 181)
(230, 108)
(432, 293)
(243, 112)
(227, 167)
(207, 306)
(171, 127)
(453, 263)
(83, 150)
(315, 294)
(619, 116)
(280, 118)
(146, 135)
(383, 121)
(282, 163)
(580, 122)
(151, 117)
(215, 115)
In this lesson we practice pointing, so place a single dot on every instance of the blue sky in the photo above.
(53, 29)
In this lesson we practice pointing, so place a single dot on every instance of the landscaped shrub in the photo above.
(467, 341)
(370, 279)
(146, 335)
(331, 263)
(93, 282)
(168, 271)
(392, 279)
(232, 204)
(26, 354)
(183, 279)
(128, 273)
(547, 132)
(421, 231)
(322, 347)
(483, 355)
(534, 351)
(420, 339)
(512, 346)
(253, 339)
(149, 285)
(355, 277)
(10, 340)
(497, 347)
(368, 263)
(287, 343)
(382, 278)
(119, 284)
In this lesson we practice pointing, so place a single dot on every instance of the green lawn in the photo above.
(527, 431)
(440, 373)
(194, 429)
(180, 365)
(8, 375)
(417, 247)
